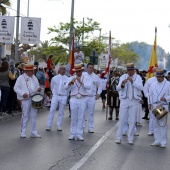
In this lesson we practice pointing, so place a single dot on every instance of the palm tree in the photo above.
(3, 8)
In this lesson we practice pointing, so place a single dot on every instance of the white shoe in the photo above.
(23, 136)
(4, 114)
(71, 138)
(150, 134)
(35, 136)
(48, 128)
(80, 138)
(136, 134)
(118, 141)
(59, 128)
(155, 144)
(163, 146)
(91, 131)
(131, 142)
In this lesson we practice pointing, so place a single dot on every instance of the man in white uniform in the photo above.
(92, 95)
(129, 88)
(78, 56)
(159, 94)
(26, 86)
(59, 98)
(78, 85)
(146, 93)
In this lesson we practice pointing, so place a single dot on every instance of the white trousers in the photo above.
(139, 113)
(151, 116)
(127, 107)
(77, 107)
(160, 128)
(90, 111)
(28, 111)
(55, 102)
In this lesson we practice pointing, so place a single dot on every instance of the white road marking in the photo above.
(92, 150)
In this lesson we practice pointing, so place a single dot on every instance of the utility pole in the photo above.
(28, 8)
(17, 30)
(71, 25)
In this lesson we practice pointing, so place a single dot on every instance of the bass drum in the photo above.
(37, 101)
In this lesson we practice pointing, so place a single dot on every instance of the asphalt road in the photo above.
(99, 151)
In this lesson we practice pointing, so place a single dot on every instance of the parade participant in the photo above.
(145, 104)
(129, 88)
(26, 86)
(78, 85)
(41, 78)
(49, 62)
(159, 94)
(78, 56)
(113, 95)
(92, 95)
(104, 91)
(59, 98)
(146, 92)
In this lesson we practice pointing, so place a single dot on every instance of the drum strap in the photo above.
(165, 122)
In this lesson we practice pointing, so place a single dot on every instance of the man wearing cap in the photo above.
(78, 56)
(146, 93)
(159, 95)
(129, 88)
(78, 84)
(92, 95)
(26, 86)
(59, 98)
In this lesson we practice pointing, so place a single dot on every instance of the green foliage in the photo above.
(124, 54)
(3, 9)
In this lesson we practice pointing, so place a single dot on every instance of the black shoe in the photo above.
(110, 118)
(145, 118)
(117, 118)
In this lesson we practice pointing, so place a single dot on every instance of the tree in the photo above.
(3, 8)
(124, 54)
(81, 30)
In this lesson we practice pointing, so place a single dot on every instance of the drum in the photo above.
(159, 112)
(37, 101)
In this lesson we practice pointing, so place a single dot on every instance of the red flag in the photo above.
(107, 70)
(71, 58)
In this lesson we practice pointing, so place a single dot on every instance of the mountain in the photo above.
(144, 52)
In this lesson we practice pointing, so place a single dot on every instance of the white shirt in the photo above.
(96, 84)
(77, 88)
(57, 85)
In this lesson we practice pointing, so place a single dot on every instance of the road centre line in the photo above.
(93, 149)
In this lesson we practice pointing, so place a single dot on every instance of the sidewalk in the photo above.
(10, 117)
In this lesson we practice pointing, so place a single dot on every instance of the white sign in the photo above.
(7, 29)
(30, 30)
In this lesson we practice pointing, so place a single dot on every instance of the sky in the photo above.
(128, 20)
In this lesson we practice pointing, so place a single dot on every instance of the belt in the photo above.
(81, 97)
(61, 94)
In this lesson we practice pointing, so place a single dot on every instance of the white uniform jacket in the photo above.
(96, 87)
(26, 84)
(147, 85)
(137, 86)
(57, 85)
(76, 88)
(157, 90)
(80, 58)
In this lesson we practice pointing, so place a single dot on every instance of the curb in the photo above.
(5, 119)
